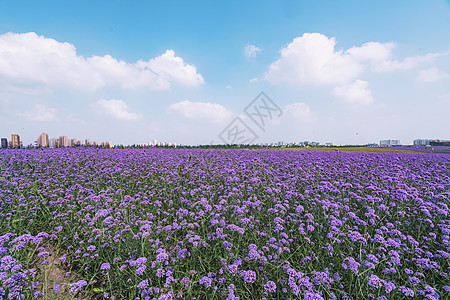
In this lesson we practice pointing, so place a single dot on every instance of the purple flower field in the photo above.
(223, 224)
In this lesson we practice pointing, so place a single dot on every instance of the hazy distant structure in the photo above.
(43, 140)
(53, 142)
(88, 142)
(421, 142)
(4, 143)
(107, 144)
(390, 143)
(440, 143)
(75, 142)
(15, 141)
(154, 142)
(64, 141)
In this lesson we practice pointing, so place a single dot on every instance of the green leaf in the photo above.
(98, 290)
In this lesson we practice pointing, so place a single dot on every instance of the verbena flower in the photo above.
(206, 281)
(375, 281)
(270, 287)
(250, 276)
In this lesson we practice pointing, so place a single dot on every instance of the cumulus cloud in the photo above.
(355, 93)
(313, 59)
(170, 67)
(41, 113)
(211, 112)
(251, 50)
(117, 109)
(431, 75)
(29, 58)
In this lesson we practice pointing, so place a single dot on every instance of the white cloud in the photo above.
(431, 75)
(445, 98)
(372, 52)
(251, 50)
(117, 109)
(212, 112)
(355, 93)
(170, 67)
(41, 113)
(406, 64)
(29, 58)
(300, 111)
(312, 59)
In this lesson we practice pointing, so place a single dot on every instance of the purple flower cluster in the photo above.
(176, 222)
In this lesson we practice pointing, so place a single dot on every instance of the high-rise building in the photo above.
(107, 144)
(75, 142)
(43, 140)
(4, 143)
(53, 142)
(64, 141)
(421, 142)
(88, 142)
(15, 140)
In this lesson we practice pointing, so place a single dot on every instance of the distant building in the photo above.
(4, 143)
(329, 144)
(54, 142)
(64, 141)
(107, 144)
(15, 141)
(43, 140)
(389, 143)
(422, 142)
(75, 142)
(439, 143)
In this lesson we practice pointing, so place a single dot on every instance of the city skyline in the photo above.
(185, 72)
(44, 141)
(63, 141)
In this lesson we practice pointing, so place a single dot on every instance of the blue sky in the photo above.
(346, 72)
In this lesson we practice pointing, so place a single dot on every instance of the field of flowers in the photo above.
(87, 223)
